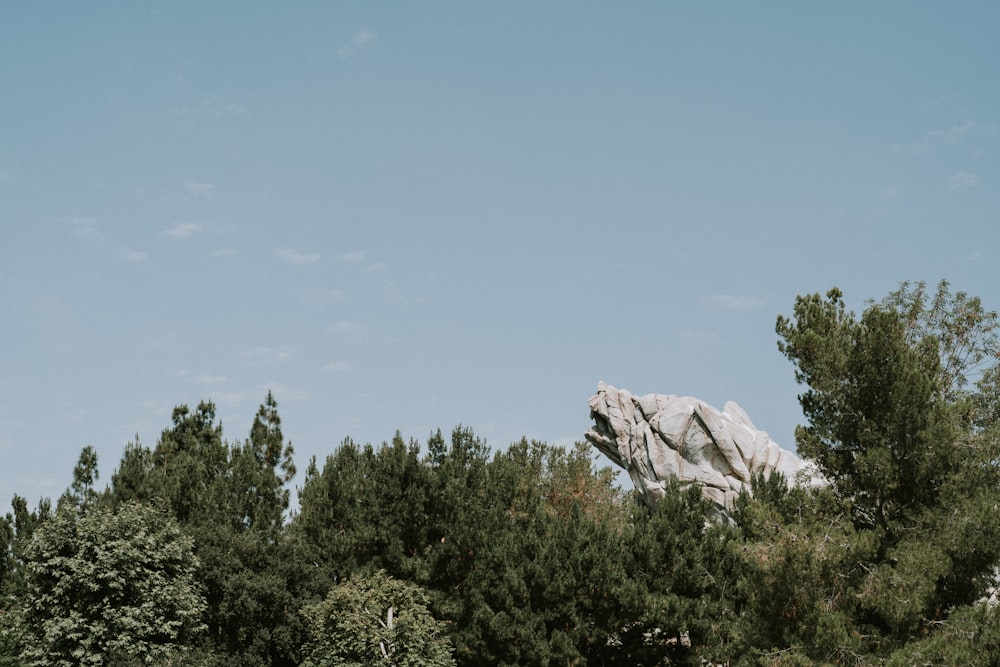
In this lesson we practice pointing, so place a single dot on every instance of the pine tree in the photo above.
(910, 456)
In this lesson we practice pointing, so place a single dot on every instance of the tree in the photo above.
(188, 458)
(369, 508)
(801, 567)
(375, 620)
(968, 337)
(891, 425)
(107, 587)
(877, 426)
(133, 480)
(231, 499)
(81, 493)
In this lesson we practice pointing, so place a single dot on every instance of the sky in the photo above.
(416, 215)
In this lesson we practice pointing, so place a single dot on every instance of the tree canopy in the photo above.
(454, 551)
(106, 587)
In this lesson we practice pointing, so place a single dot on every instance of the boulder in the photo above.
(657, 437)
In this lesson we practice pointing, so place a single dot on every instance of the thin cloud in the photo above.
(182, 230)
(344, 327)
(952, 134)
(700, 338)
(963, 131)
(265, 355)
(296, 257)
(127, 254)
(360, 39)
(889, 195)
(200, 189)
(202, 378)
(324, 295)
(735, 302)
(962, 179)
(337, 367)
(85, 226)
(354, 256)
(82, 225)
(80, 221)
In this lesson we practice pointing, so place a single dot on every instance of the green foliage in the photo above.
(967, 335)
(874, 419)
(376, 620)
(367, 509)
(906, 536)
(971, 636)
(103, 587)
(188, 458)
(82, 493)
(133, 480)
(232, 500)
(801, 563)
(531, 555)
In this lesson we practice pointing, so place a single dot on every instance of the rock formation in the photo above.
(658, 436)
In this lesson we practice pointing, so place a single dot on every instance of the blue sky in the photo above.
(417, 215)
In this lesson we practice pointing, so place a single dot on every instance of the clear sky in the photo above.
(414, 215)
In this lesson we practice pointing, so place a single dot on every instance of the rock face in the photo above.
(659, 436)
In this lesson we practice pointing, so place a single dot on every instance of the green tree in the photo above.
(17, 530)
(231, 499)
(877, 427)
(889, 424)
(188, 458)
(801, 564)
(107, 587)
(679, 593)
(369, 508)
(375, 620)
(82, 493)
(968, 337)
(133, 480)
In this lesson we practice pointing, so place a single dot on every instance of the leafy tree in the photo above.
(261, 470)
(376, 620)
(527, 594)
(106, 587)
(968, 336)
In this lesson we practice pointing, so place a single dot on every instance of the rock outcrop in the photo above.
(658, 436)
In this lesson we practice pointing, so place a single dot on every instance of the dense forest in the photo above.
(450, 552)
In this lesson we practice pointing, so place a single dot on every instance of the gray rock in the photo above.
(661, 436)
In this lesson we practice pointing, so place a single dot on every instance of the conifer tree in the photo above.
(910, 455)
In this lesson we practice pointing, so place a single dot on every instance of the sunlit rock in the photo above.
(657, 437)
